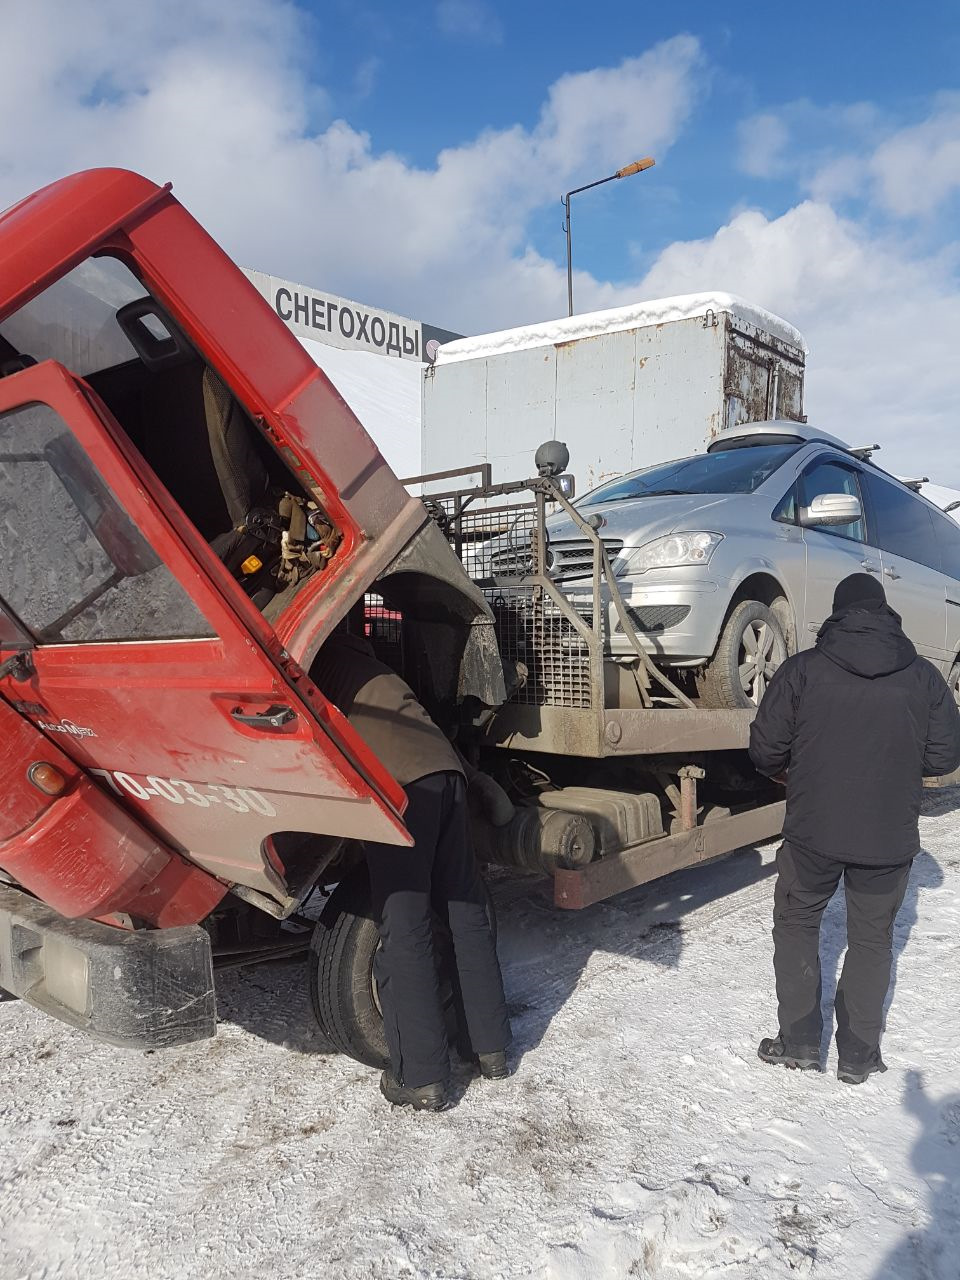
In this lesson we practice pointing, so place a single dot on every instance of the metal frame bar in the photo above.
(545, 489)
(574, 890)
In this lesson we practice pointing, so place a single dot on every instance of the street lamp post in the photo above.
(637, 167)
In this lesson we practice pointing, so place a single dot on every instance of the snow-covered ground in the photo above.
(639, 1137)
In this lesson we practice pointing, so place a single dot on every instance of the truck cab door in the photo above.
(147, 669)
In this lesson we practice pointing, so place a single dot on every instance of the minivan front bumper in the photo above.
(677, 622)
(139, 989)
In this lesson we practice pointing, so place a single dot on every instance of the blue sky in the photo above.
(420, 81)
(413, 156)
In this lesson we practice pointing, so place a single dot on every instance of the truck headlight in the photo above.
(668, 553)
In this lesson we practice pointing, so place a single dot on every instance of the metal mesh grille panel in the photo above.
(533, 630)
(497, 545)
(651, 618)
(383, 628)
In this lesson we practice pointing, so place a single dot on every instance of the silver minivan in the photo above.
(727, 561)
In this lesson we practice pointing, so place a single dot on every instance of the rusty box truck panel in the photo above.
(624, 389)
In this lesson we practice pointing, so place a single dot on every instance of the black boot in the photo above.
(493, 1066)
(424, 1097)
(775, 1051)
(857, 1072)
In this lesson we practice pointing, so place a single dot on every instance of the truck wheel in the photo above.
(343, 990)
(751, 647)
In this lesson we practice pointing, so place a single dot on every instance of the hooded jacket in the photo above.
(857, 723)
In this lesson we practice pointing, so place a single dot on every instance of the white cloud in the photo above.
(469, 20)
(220, 100)
(365, 77)
(881, 324)
(761, 142)
(917, 169)
(222, 104)
(854, 151)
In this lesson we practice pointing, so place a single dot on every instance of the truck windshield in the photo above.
(74, 320)
(732, 471)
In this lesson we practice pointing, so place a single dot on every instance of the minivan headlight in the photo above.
(668, 553)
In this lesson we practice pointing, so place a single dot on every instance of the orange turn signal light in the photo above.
(46, 778)
(251, 564)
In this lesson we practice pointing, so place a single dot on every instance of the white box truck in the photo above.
(623, 389)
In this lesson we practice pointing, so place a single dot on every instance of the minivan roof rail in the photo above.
(779, 428)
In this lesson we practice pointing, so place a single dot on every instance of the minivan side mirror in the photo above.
(832, 509)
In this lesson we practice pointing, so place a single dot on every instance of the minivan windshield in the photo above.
(730, 471)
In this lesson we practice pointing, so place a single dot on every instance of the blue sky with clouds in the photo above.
(424, 76)
(412, 156)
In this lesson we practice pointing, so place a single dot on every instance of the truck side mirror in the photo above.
(831, 509)
(567, 485)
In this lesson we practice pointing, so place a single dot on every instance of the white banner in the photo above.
(324, 317)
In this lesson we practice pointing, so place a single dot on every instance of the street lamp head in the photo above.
(638, 166)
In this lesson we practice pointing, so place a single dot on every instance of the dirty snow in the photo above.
(639, 1136)
(656, 311)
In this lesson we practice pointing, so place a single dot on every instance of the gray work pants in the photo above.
(805, 884)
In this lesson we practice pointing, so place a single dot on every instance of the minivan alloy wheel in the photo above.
(759, 659)
(751, 647)
(953, 680)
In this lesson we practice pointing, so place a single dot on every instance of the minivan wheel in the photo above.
(751, 647)
(343, 990)
(953, 680)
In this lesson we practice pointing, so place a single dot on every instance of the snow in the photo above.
(385, 394)
(942, 497)
(657, 311)
(639, 1136)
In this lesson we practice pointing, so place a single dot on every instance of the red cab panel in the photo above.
(80, 852)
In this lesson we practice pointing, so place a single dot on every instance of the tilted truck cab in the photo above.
(187, 509)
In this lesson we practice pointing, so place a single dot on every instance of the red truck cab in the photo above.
(187, 509)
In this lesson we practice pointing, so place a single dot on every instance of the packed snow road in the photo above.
(639, 1136)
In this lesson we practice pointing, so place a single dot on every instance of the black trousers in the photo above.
(805, 884)
(439, 875)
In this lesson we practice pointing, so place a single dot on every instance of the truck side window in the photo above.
(73, 566)
(831, 477)
(904, 523)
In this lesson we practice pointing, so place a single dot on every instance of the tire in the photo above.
(953, 680)
(343, 990)
(732, 679)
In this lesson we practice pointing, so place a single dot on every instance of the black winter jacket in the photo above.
(857, 722)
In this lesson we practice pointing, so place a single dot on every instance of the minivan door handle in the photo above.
(871, 566)
(891, 572)
(275, 717)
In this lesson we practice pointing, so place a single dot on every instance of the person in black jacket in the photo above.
(852, 727)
